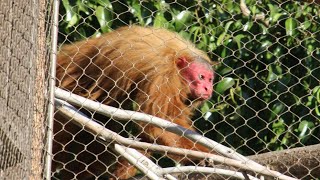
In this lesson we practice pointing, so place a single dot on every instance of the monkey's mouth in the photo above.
(200, 96)
(205, 96)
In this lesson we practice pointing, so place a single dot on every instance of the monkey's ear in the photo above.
(182, 62)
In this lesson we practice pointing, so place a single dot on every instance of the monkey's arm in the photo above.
(160, 136)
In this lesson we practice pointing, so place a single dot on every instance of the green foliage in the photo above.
(267, 83)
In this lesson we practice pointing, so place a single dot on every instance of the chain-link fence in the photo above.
(135, 80)
(266, 85)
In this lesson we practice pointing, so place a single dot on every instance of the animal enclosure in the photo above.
(160, 89)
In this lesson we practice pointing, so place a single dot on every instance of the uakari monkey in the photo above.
(161, 73)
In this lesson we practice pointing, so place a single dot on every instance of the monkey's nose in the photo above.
(208, 89)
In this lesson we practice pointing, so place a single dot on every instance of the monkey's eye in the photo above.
(201, 77)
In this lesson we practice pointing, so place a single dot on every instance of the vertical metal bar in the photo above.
(52, 76)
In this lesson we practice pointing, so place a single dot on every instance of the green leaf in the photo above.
(228, 26)
(276, 17)
(269, 55)
(274, 12)
(224, 70)
(224, 85)
(82, 7)
(206, 107)
(273, 9)
(221, 38)
(265, 44)
(136, 11)
(69, 12)
(185, 34)
(105, 3)
(238, 39)
(195, 31)
(71, 17)
(247, 26)
(271, 75)
(291, 26)
(223, 52)
(104, 17)
(286, 139)
(74, 20)
(205, 39)
(316, 93)
(276, 110)
(278, 51)
(182, 19)
(212, 46)
(279, 127)
(305, 25)
(224, 36)
(160, 21)
(305, 128)
(317, 109)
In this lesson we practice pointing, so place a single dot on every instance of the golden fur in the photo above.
(134, 63)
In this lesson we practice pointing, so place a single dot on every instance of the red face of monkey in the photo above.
(199, 77)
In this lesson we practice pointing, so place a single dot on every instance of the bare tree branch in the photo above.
(99, 130)
(125, 115)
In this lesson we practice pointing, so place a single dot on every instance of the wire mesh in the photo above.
(266, 83)
(265, 103)
(23, 86)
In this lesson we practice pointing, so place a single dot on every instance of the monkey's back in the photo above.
(129, 64)
(130, 61)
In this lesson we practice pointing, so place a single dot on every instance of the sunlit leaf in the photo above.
(74, 20)
(206, 107)
(71, 17)
(136, 11)
(305, 25)
(160, 21)
(104, 17)
(274, 12)
(224, 84)
(182, 19)
(291, 26)
(305, 128)
(69, 13)
(83, 8)
(105, 3)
